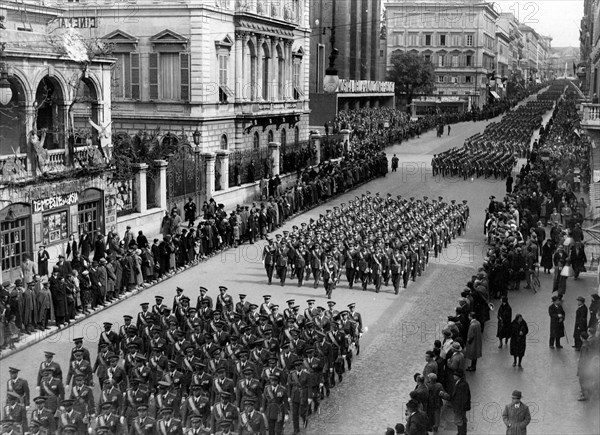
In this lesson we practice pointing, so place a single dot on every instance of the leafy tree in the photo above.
(411, 73)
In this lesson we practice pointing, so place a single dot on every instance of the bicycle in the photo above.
(535, 277)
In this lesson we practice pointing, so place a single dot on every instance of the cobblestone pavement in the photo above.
(400, 328)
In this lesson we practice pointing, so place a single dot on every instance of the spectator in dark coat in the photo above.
(416, 420)
(42, 261)
(59, 297)
(504, 321)
(141, 240)
(518, 339)
(96, 285)
(581, 322)
(460, 400)
(156, 256)
(557, 318)
(85, 244)
(71, 247)
(99, 248)
(578, 259)
(64, 267)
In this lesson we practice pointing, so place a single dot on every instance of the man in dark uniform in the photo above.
(79, 346)
(275, 405)
(18, 386)
(251, 421)
(298, 382)
(14, 410)
(143, 424)
(269, 252)
(43, 415)
(49, 363)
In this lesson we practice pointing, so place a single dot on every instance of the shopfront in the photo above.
(57, 217)
(15, 238)
(43, 214)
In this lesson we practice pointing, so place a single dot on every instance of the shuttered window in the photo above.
(135, 76)
(153, 75)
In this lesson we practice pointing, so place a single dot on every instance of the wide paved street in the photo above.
(400, 328)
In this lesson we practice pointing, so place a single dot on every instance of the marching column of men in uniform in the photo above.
(196, 367)
(494, 152)
(372, 240)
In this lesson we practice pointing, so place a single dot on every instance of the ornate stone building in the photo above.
(53, 179)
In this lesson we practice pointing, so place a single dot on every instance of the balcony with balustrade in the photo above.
(22, 168)
(590, 118)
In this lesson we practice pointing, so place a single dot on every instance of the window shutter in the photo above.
(184, 63)
(135, 75)
(153, 76)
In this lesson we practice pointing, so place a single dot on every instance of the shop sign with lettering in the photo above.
(365, 86)
(41, 205)
(77, 22)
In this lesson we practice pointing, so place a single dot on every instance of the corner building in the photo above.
(458, 37)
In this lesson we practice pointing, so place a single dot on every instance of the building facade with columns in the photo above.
(53, 163)
(220, 78)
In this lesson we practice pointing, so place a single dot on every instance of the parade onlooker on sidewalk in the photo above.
(460, 400)
(588, 368)
(42, 260)
(434, 404)
(581, 322)
(416, 419)
(28, 269)
(578, 259)
(474, 342)
(516, 416)
(557, 325)
(518, 339)
(504, 321)
(165, 225)
(189, 210)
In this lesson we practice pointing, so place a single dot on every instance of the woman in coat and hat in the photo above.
(518, 339)
(504, 321)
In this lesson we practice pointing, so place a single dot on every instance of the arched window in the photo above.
(270, 136)
(296, 136)
(283, 137)
(256, 140)
(266, 65)
(224, 142)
